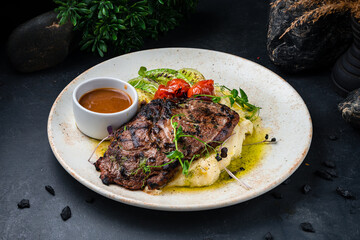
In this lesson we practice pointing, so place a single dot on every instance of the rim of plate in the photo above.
(205, 206)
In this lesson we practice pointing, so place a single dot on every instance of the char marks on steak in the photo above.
(148, 137)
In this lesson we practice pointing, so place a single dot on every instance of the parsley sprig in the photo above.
(238, 97)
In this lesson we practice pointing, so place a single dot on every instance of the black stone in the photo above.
(39, 43)
(345, 193)
(346, 72)
(307, 227)
(307, 46)
(66, 213)
(24, 203)
(50, 190)
(350, 108)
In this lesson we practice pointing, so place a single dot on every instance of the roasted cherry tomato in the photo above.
(202, 87)
(179, 86)
(164, 92)
(175, 88)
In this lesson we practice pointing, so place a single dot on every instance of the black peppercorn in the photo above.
(345, 193)
(50, 190)
(224, 152)
(323, 174)
(66, 213)
(268, 236)
(307, 227)
(25, 203)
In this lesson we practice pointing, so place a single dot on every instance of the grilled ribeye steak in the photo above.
(148, 137)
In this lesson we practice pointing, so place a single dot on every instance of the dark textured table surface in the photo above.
(238, 27)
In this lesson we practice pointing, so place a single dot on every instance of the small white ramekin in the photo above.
(95, 124)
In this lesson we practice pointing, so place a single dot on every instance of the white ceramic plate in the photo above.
(283, 111)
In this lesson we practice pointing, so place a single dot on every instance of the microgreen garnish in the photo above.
(177, 154)
(236, 96)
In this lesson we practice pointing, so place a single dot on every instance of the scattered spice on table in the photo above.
(268, 236)
(307, 227)
(345, 193)
(332, 173)
(66, 213)
(306, 189)
(24, 203)
(50, 189)
(286, 182)
(323, 174)
(329, 164)
(333, 137)
(90, 200)
(277, 195)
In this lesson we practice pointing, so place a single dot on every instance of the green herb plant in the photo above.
(121, 25)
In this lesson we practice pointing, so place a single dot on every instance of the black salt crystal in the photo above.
(268, 236)
(306, 188)
(66, 213)
(329, 164)
(307, 227)
(345, 193)
(277, 195)
(50, 190)
(332, 173)
(323, 174)
(25, 203)
(333, 137)
(286, 182)
(90, 200)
